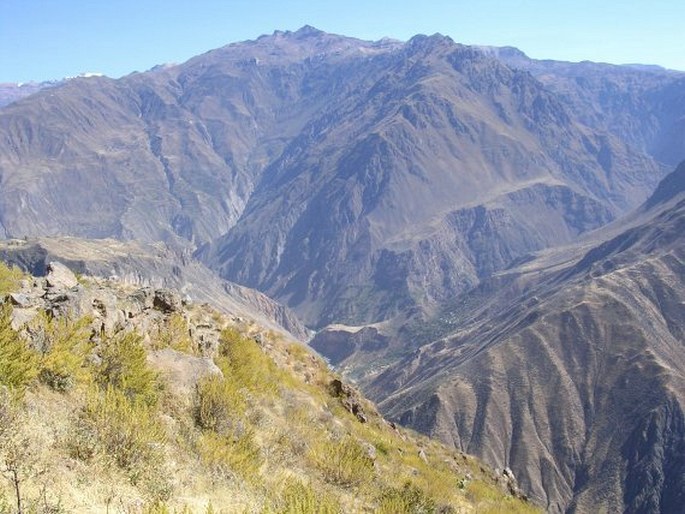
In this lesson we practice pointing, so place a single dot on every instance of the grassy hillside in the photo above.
(177, 408)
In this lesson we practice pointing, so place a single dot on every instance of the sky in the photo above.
(52, 39)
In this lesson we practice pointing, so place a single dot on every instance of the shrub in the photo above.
(174, 333)
(219, 405)
(66, 347)
(299, 498)
(9, 278)
(18, 363)
(227, 455)
(344, 462)
(241, 358)
(20, 451)
(410, 499)
(479, 491)
(124, 366)
(125, 429)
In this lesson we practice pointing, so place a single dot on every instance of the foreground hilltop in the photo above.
(126, 398)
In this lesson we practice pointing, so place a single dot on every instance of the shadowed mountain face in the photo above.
(569, 368)
(351, 180)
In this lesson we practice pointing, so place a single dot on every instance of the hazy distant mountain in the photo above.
(568, 368)
(11, 92)
(643, 105)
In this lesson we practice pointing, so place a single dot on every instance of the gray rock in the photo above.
(60, 277)
(22, 316)
(144, 297)
(20, 300)
(166, 300)
(349, 398)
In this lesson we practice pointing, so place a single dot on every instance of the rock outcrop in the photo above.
(165, 277)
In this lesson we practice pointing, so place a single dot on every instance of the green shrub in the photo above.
(299, 498)
(127, 430)
(241, 358)
(9, 278)
(231, 455)
(344, 462)
(18, 363)
(124, 366)
(66, 346)
(410, 499)
(219, 405)
(174, 334)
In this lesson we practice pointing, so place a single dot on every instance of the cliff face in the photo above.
(568, 368)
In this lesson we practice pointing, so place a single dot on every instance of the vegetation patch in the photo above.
(18, 362)
(343, 462)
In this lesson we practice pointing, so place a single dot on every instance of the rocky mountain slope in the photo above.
(568, 368)
(116, 398)
(446, 156)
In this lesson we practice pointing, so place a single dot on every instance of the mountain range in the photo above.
(482, 240)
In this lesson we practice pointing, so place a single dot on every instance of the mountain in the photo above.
(11, 92)
(568, 368)
(445, 158)
(350, 180)
(393, 195)
(642, 105)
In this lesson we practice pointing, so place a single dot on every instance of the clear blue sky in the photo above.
(46, 39)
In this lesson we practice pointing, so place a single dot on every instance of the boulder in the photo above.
(349, 399)
(20, 300)
(166, 300)
(60, 277)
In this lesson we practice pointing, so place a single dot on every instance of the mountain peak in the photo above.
(308, 31)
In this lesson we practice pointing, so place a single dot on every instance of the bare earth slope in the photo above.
(569, 369)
